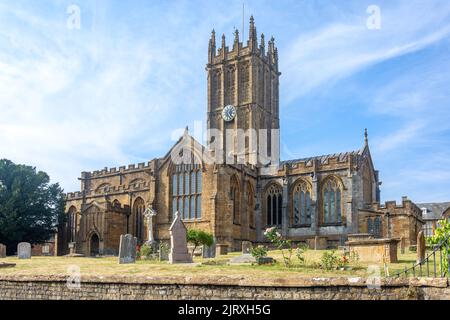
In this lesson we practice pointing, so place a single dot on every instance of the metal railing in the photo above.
(428, 266)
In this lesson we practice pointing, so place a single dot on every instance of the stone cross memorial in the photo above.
(24, 250)
(127, 249)
(149, 213)
(421, 247)
(2, 251)
(179, 250)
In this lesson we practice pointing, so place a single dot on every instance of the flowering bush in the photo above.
(282, 244)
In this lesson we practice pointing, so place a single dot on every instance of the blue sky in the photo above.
(114, 91)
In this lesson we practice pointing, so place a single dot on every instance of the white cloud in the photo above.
(338, 50)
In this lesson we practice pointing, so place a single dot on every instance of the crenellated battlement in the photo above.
(120, 170)
(224, 53)
(109, 190)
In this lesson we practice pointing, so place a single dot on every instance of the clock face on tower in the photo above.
(229, 113)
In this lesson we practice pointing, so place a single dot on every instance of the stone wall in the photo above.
(54, 287)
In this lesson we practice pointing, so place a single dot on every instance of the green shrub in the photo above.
(145, 252)
(329, 260)
(259, 252)
(198, 238)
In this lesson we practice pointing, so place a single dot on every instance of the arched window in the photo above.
(377, 227)
(370, 229)
(138, 214)
(301, 204)
(187, 190)
(116, 204)
(332, 201)
(72, 224)
(274, 203)
(235, 198)
(250, 205)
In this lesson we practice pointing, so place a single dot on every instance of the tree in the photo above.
(198, 238)
(441, 238)
(29, 205)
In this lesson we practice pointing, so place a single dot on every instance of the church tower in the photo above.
(243, 99)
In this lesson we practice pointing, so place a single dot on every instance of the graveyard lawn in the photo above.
(108, 266)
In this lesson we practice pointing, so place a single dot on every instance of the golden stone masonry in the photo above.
(316, 200)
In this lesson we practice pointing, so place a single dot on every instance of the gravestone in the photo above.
(127, 249)
(2, 251)
(209, 252)
(179, 250)
(246, 247)
(24, 250)
(221, 249)
(421, 247)
(163, 251)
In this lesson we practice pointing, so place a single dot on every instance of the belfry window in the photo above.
(301, 204)
(187, 191)
(274, 203)
(332, 202)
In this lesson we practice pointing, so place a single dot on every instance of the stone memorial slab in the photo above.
(421, 247)
(179, 249)
(245, 258)
(24, 250)
(127, 249)
(246, 247)
(2, 251)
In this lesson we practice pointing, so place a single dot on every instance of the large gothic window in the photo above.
(374, 227)
(274, 203)
(250, 205)
(138, 215)
(235, 197)
(301, 204)
(332, 202)
(187, 191)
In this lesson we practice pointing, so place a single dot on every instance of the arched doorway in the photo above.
(94, 245)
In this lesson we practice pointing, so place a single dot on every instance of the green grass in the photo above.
(109, 266)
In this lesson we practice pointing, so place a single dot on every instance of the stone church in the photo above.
(235, 186)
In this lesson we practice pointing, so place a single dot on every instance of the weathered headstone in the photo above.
(179, 250)
(209, 252)
(2, 251)
(246, 247)
(221, 249)
(421, 247)
(163, 251)
(402, 245)
(127, 249)
(24, 250)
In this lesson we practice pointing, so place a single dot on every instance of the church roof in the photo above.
(434, 210)
(322, 159)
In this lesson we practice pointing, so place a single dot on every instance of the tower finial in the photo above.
(253, 42)
(212, 46)
(223, 41)
(366, 137)
(236, 39)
